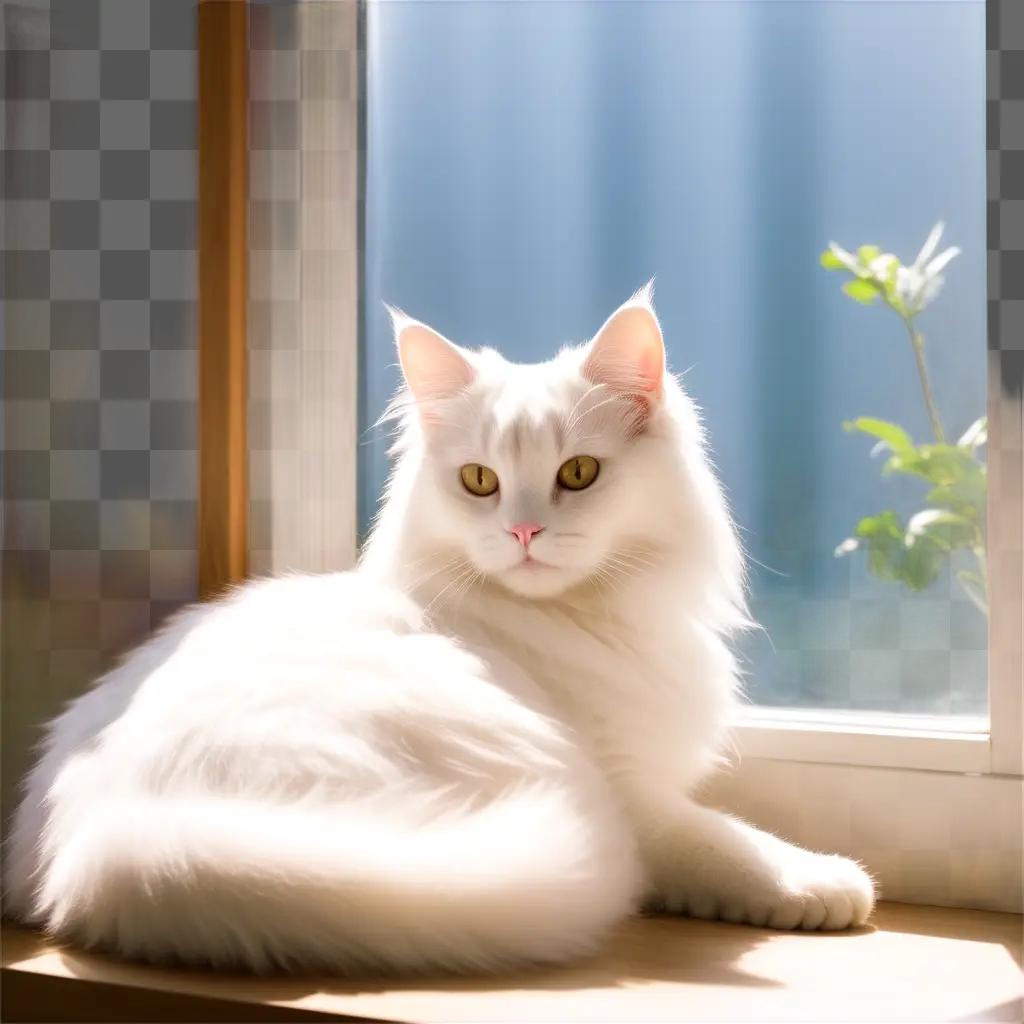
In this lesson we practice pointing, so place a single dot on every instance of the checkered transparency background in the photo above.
(1006, 311)
(99, 334)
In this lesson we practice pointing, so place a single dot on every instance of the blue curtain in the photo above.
(530, 164)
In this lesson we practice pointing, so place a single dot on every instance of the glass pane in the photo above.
(530, 165)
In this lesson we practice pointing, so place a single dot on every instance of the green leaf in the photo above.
(936, 463)
(965, 496)
(923, 521)
(867, 253)
(864, 292)
(884, 525)
(943, 528)
(830, 261)
(893, 436)
(883, 563)
(921, 564)
(915, 554)
(883, 537)
(888, 556)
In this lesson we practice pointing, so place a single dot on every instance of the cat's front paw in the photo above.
(824, 892)
(813, 892)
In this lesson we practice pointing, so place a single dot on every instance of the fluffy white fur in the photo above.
(454, 757)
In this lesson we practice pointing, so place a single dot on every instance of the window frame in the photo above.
(222, 140)
(1005, 529)
(876, 740)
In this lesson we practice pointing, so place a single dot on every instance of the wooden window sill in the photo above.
(915, 964)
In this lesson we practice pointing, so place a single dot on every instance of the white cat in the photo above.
(476, 750)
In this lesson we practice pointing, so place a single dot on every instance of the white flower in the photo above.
(876, 269)
(919, 283)
(906, 289)
(847, 259)
(881, 265)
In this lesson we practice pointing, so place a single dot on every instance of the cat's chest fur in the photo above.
(639, 690)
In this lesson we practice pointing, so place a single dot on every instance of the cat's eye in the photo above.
(578, 472)
(479, 479)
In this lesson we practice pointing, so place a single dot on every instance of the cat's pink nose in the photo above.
(524, 532)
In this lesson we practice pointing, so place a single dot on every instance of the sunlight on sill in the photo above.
(654, 969)
(893, 723)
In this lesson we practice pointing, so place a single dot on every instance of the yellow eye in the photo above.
(479, 479)
(578, 472)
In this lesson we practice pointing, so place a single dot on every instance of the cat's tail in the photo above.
(527, 878)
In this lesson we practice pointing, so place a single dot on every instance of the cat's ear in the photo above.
(628, 354)
(434, 367)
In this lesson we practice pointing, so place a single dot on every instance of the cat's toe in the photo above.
(791, 909)
(860, 888)
(833, 893)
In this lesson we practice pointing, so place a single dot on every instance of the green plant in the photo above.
(914, 552)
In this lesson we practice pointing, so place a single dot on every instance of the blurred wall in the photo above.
(304, 91)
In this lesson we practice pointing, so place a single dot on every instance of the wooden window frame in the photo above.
(223, 144)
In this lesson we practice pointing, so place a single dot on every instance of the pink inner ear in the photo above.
(651, 363)
(628, 355)
(434, 368)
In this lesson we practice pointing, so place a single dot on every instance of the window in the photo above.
(516, 195)
(529, 165)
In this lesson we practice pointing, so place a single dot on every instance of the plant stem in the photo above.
(917, 344)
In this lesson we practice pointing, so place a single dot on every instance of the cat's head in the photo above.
(543, 477)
